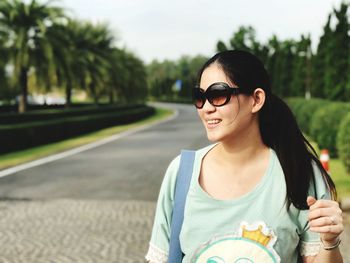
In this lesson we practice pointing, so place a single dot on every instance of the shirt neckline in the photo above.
(241, 199)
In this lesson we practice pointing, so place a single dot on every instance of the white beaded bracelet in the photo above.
(333, 246)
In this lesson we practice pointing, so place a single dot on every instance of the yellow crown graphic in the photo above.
(256, 235)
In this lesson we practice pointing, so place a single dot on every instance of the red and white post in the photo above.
(324, 158)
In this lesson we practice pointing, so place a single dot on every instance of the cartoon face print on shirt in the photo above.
(251, 244)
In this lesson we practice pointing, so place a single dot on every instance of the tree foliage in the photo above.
(297, 71)
(25, 27)
(39, 41)
(171, 80)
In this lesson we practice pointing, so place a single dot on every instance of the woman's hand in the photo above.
(325, 217)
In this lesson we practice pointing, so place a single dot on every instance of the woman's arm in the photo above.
(325, 217)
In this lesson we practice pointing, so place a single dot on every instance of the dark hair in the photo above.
(278, 127)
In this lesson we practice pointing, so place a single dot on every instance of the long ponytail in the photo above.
(280, 131)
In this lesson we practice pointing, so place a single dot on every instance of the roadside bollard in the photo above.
(324, 158)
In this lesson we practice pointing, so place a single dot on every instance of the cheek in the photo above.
(237, 114)
(241, 106)
(231, 110)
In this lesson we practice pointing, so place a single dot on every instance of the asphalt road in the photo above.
(130, 168)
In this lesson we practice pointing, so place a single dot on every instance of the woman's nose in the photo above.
(207, 107)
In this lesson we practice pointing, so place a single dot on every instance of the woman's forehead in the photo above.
(214, 73)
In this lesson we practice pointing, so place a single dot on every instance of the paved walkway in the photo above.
(83, 231)
(74, 231)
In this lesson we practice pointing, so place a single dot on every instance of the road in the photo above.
(98, 205)
(129, 168)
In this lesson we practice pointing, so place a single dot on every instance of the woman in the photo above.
(259, 194)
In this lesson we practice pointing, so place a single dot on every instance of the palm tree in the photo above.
(100, 42)
(26, 26)
(64, 57)
(86, 58)
(3, 62)
(132, 77)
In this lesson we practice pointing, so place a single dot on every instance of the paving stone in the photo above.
(75, 231)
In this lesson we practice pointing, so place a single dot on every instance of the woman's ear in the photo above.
(258, 99)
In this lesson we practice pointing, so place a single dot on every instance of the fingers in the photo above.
(321, 203)
(327, 220)
(327, 224)
(328, 229)
(325, 217)
(324, 212)
(310, 200)
(324, 208)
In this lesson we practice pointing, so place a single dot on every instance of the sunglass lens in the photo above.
(218, 95)
(198, 97)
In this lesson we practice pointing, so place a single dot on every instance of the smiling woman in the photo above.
(259, 193)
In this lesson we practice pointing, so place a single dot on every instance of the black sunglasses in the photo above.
(218, 94)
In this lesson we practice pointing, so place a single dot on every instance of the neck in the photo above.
(240, 151)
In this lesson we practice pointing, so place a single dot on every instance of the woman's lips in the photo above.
(212, 123)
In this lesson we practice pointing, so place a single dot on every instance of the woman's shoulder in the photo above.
(175, 162)
(169, 180)
(203, 151)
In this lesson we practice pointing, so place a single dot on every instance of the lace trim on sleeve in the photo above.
(156, 255)
(309, 248)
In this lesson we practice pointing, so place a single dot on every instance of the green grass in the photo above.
(338, 174)
(16, 158)
(340, 177)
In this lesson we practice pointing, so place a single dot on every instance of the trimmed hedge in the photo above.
(13, 108)
(54, 114)
(343, 141)
(304, 110)
(22, 136)
(325, 124)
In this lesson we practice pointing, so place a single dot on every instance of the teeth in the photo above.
(213, 121)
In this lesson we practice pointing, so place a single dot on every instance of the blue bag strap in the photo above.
(182, 185)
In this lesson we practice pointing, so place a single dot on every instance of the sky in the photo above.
(164, 29)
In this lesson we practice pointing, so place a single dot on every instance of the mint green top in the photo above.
(256, 227)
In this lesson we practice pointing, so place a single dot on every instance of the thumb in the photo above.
(310, 200)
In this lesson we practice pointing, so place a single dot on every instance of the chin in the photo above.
(214, 137)
(212, 140)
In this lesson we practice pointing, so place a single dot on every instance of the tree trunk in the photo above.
(93, 92)
(68, 95)
(111, 96)
(23, 78)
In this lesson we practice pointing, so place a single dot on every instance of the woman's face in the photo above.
(228, 122)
